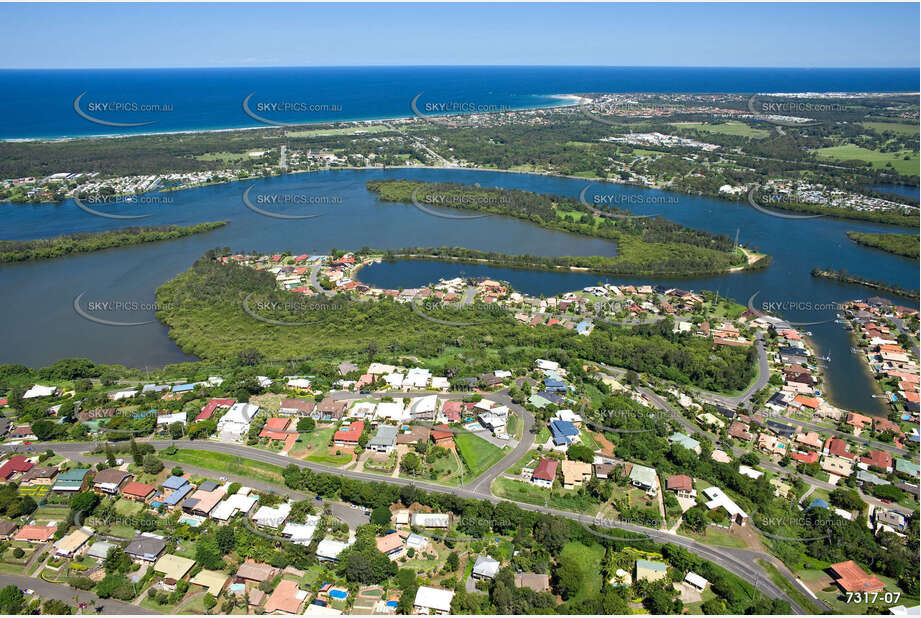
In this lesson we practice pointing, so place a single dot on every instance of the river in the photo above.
(41, 325)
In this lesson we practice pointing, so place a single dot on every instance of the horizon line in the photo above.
(459, 66)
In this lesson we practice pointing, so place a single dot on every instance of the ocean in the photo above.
(43, 104)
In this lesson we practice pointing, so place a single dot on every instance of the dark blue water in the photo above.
(905, 190)
(40, 103)
(40, 325)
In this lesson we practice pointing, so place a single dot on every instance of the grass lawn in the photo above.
(128, 507)
(314, 446)
(878, 160)
(375, 128)
(477, 453)
(222, 462)
(717, 536)
(589, 560)
(521, 491)
(733, 127)
(900, 128)
(784, 584)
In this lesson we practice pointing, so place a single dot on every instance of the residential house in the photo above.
(287, 598)
(880, 461)
(39, 476)
(431, 520)
(36, 534)
(682, 485)
(174, 568)
(146, 547)
(330, 409)
(297, 407)
(839, 466)
(70, 545)
(391, 545)
(686, 441)
(485, 567)
(109, 481)
(545, 473)
(213, 582)
(139, 492)
(443, 436)
(433, 601)
(15, 466)
(717, 498)
(851, 578)
(644, 478)
(384, 440)
(328, 550)
(234, 425)
(252, 571)
(575, 473)
(348, 435)
(72, 481)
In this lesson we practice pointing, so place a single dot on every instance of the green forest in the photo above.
(88, 242)
(905, 245)
(645, 246)
(206, 315)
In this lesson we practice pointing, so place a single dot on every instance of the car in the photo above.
(28, 591)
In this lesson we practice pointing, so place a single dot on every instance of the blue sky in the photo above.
(219, 35)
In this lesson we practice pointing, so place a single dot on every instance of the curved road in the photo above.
(47, 590)
(740, 562)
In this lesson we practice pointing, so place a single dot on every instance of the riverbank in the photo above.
(882, 286)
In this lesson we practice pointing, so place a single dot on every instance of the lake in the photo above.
(42, 326)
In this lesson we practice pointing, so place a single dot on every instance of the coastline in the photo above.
(567, 100)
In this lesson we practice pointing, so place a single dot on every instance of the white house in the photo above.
(234, 425)
(169, 419)
(40, 391)
(433, 601)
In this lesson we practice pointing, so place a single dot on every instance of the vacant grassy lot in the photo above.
(477, 453)
(589, 561)
(878, 160)
(231, 464)
(376, 128)
(900, 128)
(732, 127)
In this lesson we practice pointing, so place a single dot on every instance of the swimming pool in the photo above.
(338, 594)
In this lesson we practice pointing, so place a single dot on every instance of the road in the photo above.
(740, 562)
(46, 590)
(314, 271)
(764, 374)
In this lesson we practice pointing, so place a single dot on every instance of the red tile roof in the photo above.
(17, 463)
(213, 405)
(878, 459)
(545, 470)
(139, 490)
(36, 533)
(807, 457)
(351, 434)
(679, 482)
(852, 578)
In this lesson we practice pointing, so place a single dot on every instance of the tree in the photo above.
(12, 600)
(306, 424)
(84, 502)
(177, 471)
(568, 577)
(225, 538)
(453, 561)
(116, 560)
(176, 430)
(136, 453)
(110, 456)
(209, 601)
(208, 552)
(411, 463)
(152, 465)
(56, 608)
(580, 452)
(380, 516)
